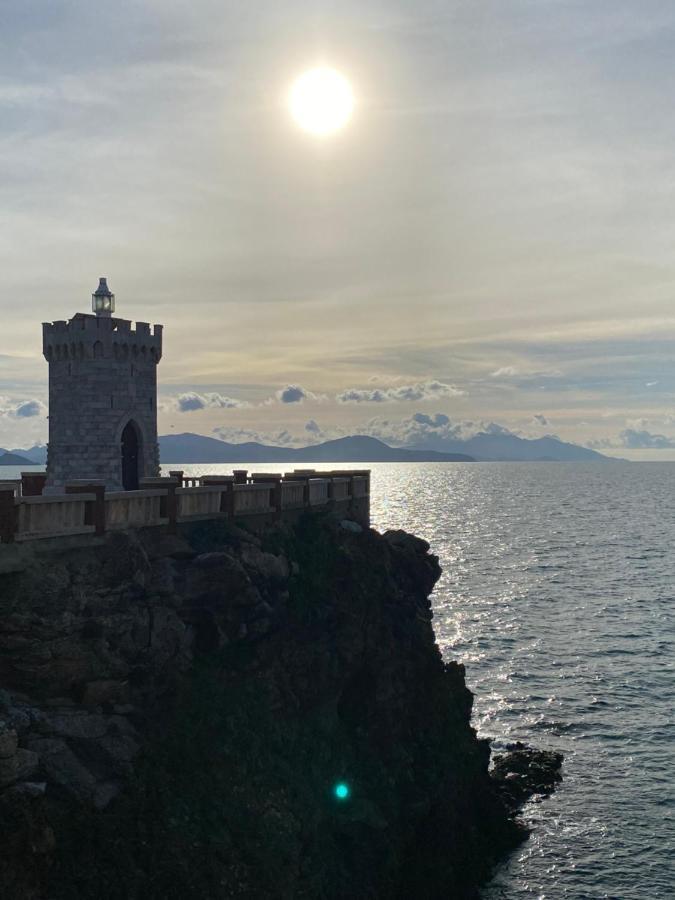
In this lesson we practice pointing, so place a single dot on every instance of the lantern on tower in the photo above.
(102, 300)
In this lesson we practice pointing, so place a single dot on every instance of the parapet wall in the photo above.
(87, 509)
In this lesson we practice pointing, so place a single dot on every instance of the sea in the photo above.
(558, 595)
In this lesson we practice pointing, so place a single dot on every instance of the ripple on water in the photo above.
(557, 593)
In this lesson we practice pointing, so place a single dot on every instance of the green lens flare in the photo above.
(341, 791)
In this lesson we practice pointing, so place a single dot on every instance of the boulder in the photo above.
(524, 772)
(63, 768)
(352, 527)
(9, 741)
(266, 566)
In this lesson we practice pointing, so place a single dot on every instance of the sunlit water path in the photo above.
(558, 593)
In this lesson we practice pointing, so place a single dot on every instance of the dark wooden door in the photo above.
(130, 458)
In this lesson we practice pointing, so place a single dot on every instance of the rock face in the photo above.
(525, 771)
(177, 711)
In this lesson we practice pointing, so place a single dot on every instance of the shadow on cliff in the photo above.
(265, 670)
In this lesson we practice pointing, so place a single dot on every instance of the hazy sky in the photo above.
(491, 238)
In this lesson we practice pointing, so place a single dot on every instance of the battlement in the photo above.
(92, 337)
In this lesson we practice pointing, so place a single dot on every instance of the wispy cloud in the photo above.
(405, 393)
(645, 440)
(280, 438)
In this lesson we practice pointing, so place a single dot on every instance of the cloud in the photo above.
(525, 375)
(245, 435)
(293, 393)
(540, 419)
(405, 393)
(421, 429)
(191, 402)
(645, 440)
(312, 427)
(22, 409)
(29, 408)
(437, 421)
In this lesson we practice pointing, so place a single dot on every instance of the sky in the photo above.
(488, 240)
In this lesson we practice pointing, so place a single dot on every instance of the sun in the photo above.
(321, 101)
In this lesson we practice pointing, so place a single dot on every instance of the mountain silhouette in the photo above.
(197, 448)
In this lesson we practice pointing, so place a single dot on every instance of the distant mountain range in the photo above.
(196, 448)
(13, 459)
(506, 447)
(35, 456)
(485, 446)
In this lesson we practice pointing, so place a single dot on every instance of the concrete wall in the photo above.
(102, 374)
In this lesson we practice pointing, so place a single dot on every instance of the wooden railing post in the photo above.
(169, 504)
(227, 500)
(96, 516)
(226, 482)
(240, 476)
(177, 475)
(172, 506)
(302, 475)
(276, 492)
(277, 497)
(7, 514)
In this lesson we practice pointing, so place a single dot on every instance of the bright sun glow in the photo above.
(321, 101)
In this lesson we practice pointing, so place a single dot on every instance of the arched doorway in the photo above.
(130, 457)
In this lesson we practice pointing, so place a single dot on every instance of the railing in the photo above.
(53, 516)
(292, 494)
(13, 484)
(199, 502)
(318, 491)
(360, 486)
(340, 489)
(86, 508)
(134, 509)
(251, 499)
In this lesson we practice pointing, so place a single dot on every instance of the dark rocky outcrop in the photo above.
(524, 772)
(176, 711)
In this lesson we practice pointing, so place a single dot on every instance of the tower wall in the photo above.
(102, 375)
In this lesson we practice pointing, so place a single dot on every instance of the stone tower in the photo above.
(102, 397)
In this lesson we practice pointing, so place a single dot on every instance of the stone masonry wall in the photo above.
(102, 374)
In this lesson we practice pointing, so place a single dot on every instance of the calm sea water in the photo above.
(558, 593)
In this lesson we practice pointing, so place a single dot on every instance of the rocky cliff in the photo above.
(177, 711)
